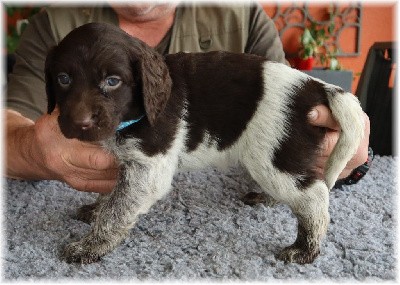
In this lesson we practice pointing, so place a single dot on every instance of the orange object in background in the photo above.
(377, 25)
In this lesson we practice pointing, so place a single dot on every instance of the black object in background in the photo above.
(377, 96)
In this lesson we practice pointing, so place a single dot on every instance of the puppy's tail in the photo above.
(347, 111)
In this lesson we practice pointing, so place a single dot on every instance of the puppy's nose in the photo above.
(85, 123)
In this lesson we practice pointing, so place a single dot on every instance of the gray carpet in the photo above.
(203, 231)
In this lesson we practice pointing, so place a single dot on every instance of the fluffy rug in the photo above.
(202, 231)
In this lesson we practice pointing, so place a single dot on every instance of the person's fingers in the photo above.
(53, 121)
(331, 138)
(321, 116)
(92, 171)
(82, 165)
(92, 185)
(361, 155)
(329, 142)
(87, 156)
(320, 169)
(83, 154)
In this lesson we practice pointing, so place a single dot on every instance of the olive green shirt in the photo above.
(197, 28)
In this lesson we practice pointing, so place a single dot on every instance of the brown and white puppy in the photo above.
(192, 110)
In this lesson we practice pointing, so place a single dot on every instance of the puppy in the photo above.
(191, 110)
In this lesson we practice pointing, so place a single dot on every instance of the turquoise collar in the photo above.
(126, 124)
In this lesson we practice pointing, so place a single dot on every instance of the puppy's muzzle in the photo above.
(84, 125)
(86, 122)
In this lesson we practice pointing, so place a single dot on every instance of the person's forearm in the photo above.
(20, 141)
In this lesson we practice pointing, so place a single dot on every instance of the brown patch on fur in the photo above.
(222, 91)
(219, 92)
(156, 83)
(298, 153)
(158, 138)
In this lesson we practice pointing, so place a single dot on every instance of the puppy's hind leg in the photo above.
(310, 205)
(311, 210)
(256, 195)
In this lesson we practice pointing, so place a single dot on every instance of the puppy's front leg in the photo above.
(137, 189)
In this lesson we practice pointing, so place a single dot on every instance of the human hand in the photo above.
(321, 116)
(49, 155)
(84, 166)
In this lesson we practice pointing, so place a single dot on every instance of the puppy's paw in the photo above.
(298, 254)
(89, 249)
(254, 198)
(86, 213)
(80, 253)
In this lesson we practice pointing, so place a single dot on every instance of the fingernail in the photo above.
(312, 115)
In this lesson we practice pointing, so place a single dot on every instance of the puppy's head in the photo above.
(99, 76)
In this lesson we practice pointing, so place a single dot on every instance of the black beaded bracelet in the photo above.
(357, 173)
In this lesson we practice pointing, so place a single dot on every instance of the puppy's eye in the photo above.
(113, 81)
(63, 79)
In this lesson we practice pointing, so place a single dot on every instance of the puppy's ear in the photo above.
(51, 97)
(155, 79)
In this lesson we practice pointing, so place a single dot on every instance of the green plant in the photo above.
(312, 44)
(311, 41)
(15, 23)
(330, 61)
